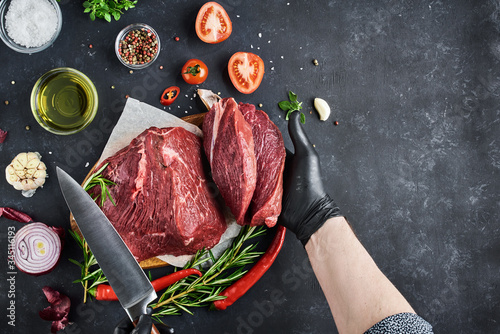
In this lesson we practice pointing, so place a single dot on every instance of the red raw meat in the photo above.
(229, 146)
(164, 201)
(270, 153)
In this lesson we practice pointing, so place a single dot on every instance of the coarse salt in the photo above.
(31, 23)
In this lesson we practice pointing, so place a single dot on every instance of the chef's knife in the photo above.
(124, 274)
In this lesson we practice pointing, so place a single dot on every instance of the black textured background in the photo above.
(414, 162)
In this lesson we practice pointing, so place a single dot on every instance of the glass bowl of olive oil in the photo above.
(64, 101)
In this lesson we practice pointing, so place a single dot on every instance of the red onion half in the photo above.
(37, 249)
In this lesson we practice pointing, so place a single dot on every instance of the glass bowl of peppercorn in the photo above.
(29, 26)
(137, 46)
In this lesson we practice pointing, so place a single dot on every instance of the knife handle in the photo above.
(154, 330)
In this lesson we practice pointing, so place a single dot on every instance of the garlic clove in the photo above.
(322, 108)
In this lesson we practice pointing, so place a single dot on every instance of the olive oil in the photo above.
(65, 101)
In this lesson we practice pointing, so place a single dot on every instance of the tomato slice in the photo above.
(169, 95)
(246, 71)
(213, 25)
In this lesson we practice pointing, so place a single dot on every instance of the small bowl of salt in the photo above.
(29, 26)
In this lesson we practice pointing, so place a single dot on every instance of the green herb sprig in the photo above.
(291, 106)
(107, 9)
(202, 291)
(96, 179)
(91, 274)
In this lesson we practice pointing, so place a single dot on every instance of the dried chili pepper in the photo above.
(16, 215)
(105, 292)
(240, 287)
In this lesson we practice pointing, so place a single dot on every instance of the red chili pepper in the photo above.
(13, 214)
(169, 95)
(240, 287)
(105, 292)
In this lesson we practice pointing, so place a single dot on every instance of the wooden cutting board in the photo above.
(154, 262)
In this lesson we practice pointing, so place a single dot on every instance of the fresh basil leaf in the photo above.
(287, 117)
(292, 96)
(107, 17)
(116, 15)
(92, 16)
(302, 118)
(86, 4)
(285, 105)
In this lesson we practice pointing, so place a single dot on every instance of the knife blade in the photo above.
(124, 274)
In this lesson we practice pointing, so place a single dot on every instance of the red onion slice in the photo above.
(37, 249)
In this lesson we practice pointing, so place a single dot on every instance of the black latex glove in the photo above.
(306, 205)
(144, 325)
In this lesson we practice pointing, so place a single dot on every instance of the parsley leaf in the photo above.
(107, 9)
(291, 106)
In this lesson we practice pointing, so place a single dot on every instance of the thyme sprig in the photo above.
(96, 179)
(201, 291)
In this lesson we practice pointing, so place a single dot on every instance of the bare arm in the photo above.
(358, 293)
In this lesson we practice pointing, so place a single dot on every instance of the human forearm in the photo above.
(357, 291)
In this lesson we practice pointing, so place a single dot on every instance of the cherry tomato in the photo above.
(169, 95)
(213, 25)
(246, 71)
(194, 72)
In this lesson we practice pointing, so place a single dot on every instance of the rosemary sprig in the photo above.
(96, 179)
(89, 277)
(202, 291)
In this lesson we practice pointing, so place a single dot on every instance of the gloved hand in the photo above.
(144, 325)
(306, 205)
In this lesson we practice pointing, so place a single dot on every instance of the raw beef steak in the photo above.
(164, 204)
(229, 146)
(270, 154)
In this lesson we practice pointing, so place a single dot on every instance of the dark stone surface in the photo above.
(414, 162)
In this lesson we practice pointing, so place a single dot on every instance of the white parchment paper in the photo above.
(138, 116)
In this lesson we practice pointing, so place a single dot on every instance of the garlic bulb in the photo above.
(26, 172)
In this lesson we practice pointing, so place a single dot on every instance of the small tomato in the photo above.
(194, 72)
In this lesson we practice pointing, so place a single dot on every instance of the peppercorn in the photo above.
(6, 102)
(161, 67)
(27, 127)
(112, 87)
(315, 62)
(90, 46)
(126, 96)
(177, 38)
(260, 105)
(138, 47)
(335, 123)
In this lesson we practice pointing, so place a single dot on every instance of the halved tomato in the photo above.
(246, 71)
(213, 25)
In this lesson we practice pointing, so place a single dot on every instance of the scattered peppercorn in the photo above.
(130, 71)
(112, 87)
(6, 103)
(161, 67)
(90, 46)
(27, 127)
(335, 123)
(260, 105)
(126, 96)
(177, 38)
(138, 47)
(315, 62)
